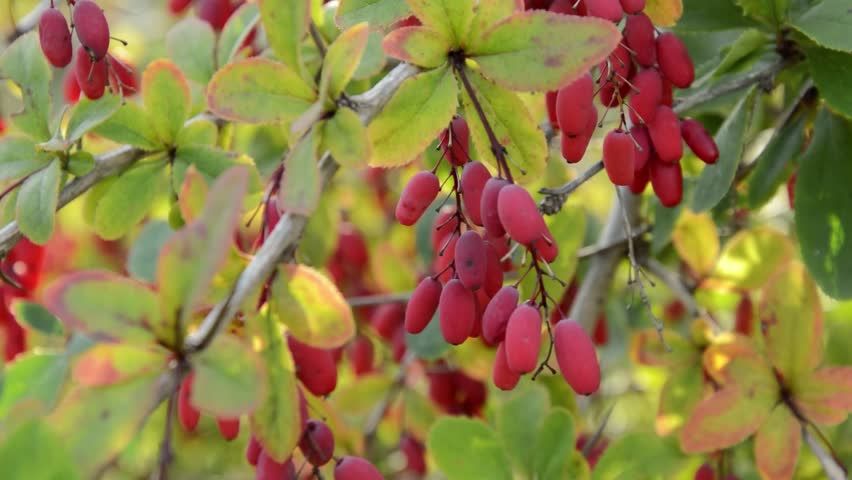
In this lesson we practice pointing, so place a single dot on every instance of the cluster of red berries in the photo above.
(638, 78)
(214, 12)
(94, 67)
(22, 271)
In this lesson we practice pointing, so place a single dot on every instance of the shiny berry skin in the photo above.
(576, 356)
(523, 339)
(699, 140)
(493, 269)
(503, 377)
(574, 148)
(422, 306)
(665, 135)
(546, 247)
(644, 101)
(667, 180)
(456, 312)
(519, 215)
(269, 469)
(631, 7)
(674, 61)
(497, 313)
(642, 147)
(639, 35)
(55, 38)
(470, 260)
(317, 443)
(641, 178)
(473, 180)
(607, 9)
(315, 367)
(356, 468)
(489, 206)
(573, 103)
(455, 142)
(91, 77)
(618, 157)
(416, 197)
(92, 28)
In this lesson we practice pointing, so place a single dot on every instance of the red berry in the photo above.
(356, 468)
(122, 77)
(632, 6)
(361, 355)
(612, 93)
(639, 35)
(422, 306)
(618, 157)
(699, 140)
(565, 303)
(315, 367)
(565, 7)
(470, 260)
(444, 226)
(488, 207)
(188, 415)
(473, 180)
(573, 103)
(415, 454)
(441, 388)
(642, 147)
(665, 135)
(744, 315)
(409, 21)
(55, 38)
(791, 190)
(674, 60)
(269, 469)
(351, 247)
(705, 472)
(600, 335)
(649, 92)
(398, 346)
(92, 28)
(576, 356)
(229, 427)
(497, 313)
(620, 63)
(178, 6)
(386, 318)
(456, 312)
(493, 269)
(574, 148)
(523, 339)
(416, 197)
(641, 178)
(550, 103)
(91, 77)
(546, 248)
(443, 261)
(668, 93)
(317, 443)
(519, 215)
(253, 450)
(504, 377)
(70, 87)
(215, 12)
(455, 142)
(667, 180)
(606, 9)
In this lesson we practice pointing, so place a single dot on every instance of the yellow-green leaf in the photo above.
(23, 63)
(751, 256)
(128, 200)
(341, 60)
(130, 125)
(777, 443)
(734, 359)
(825, 397)
(697, 242)
(229, 378)
(647, 349)
(88, 114)
(301, 184)
(378, 13)
(345, 137)
(166, 96)
(450, 18)
(726, 418)
(111, 363)
(419, 46)
(488, 13)
(286, 24)
(35, 210)
(680, 394)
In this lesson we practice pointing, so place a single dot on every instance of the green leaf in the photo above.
(824, 207)
(105, 306)
(378, 13)
(665, 220)
(38, 318)
(37, 201)
(130, 125)
(300, 184)
(747, 43)
(486, 15)
(191, 256)
(716, 179)
(726, 418)
(777, 443)
(697, 242)
(682, 391)
(551, 49)
(320, 238)
(34, 378)
(771, 12)
(88, 114)
(229, 378)
(373, 60)
(34, 439)
(647, 349)
(773, 164)
(359, 399)
(345, 137)
(827, 23)
(518, 421)
(211, 162)
(450, 18)
(258, 90)
(190, 45)
(311, 306)
(275, 422)
(197, 132)
(554, 444)
(421, 107)
(286, 24)
(429, 344)
(80, 163)
(639, 456)
(419, 46)
(751, 257)
(514, 127)
(237, 29)
(832, 71)
(166, 96)
(23, 63)
(467, 449)
(193, 195)
(341, 60)
(142, 258)
(128, 200)
(18, 157)
(111, 363)
(704, 16)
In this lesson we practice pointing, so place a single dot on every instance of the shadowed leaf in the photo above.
(230, 379)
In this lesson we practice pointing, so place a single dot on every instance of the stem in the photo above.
(166, 453)
(369, 300)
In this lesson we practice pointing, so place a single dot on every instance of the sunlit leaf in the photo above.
(299, 192)
(286, 24)
(88, 114)
(378, 13)
(664, 13)
(193, 195)
(33, 450)
(639, 455)
(734, 358)
(697, 242)
(18, 157)
(128, 200)
(130, 125)
(345, 137)
(825, 397)
(34, 378)
(683, 390)
(341, 60)
(450, 18)
(750, 257)
(647, 349)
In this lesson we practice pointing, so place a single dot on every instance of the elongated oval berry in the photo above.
(620, 63)
(493, 270)
(576, 356)
(470, 260)
(618, 157)
(632, 6)
(641, 177)
(315, 367)
(415, 454)
(215, 12)
(269, 469)
(443, 260)
(550, 104)
(361, 354)
(573, 103)
(445, 225)
(317, 443)
(699, 140)
(642, 148)
(253, 450)
(70, 87)
(668, 93)
(744, 315)
(355, 468)
(455, 142)
(91, 77)
(456, 312)
(639, 35)
(574, 148)
(674, 60)
(416, 197)
(565, 7)
(504, 377)
(649, 92)
(546, 248)
(667, 180)
(497, 313)
(607, 9)
(386, 318)
(488, 208)
(664, 131)
(523, 339)
(519, 215)
(177, 7)
(600, 335)
(188, 415)
(229, 428)
(422, 306)
(55, 38)
(92, 28)
(612, 94)
(473, 180)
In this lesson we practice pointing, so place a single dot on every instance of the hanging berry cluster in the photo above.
(21, 270)
(637, 79)
(94, 67)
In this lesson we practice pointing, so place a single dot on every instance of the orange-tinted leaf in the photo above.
(193, 193)
(697, 242)
(825, 397)
(341, 60)
(449, 18)
(419, 46)
(646, 348)
(664, 13)
(777, 443)
(679, 396)
(107, 364)
(791, 317)
(733, 359)
(725, 418)
(751, 257)
(487, 14)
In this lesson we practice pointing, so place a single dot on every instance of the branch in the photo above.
(369, 300)
(832, 468)
(675, 284)
(27, 22)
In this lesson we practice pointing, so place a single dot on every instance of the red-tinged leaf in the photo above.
(791, 317)
(825, 397)
(106, 307)
(230, 378)
(419, 46)
(777, 443)
(311, 306)
(647, 349)
(167, 99)
(733, 359)
(449, 18)
(108, 364)
(286, 24)
(378, 13)
(487, 14)
(193, 194)
(341, 60)
(679, 396)
(551, 50)
(725, 418)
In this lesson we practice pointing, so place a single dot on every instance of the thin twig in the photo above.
(372, 424)
(675, 284)
(832, 468)
(595, 438)
(166, 453)
(594, 250)
(380, 299)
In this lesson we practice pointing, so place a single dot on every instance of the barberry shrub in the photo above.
(408, 239)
